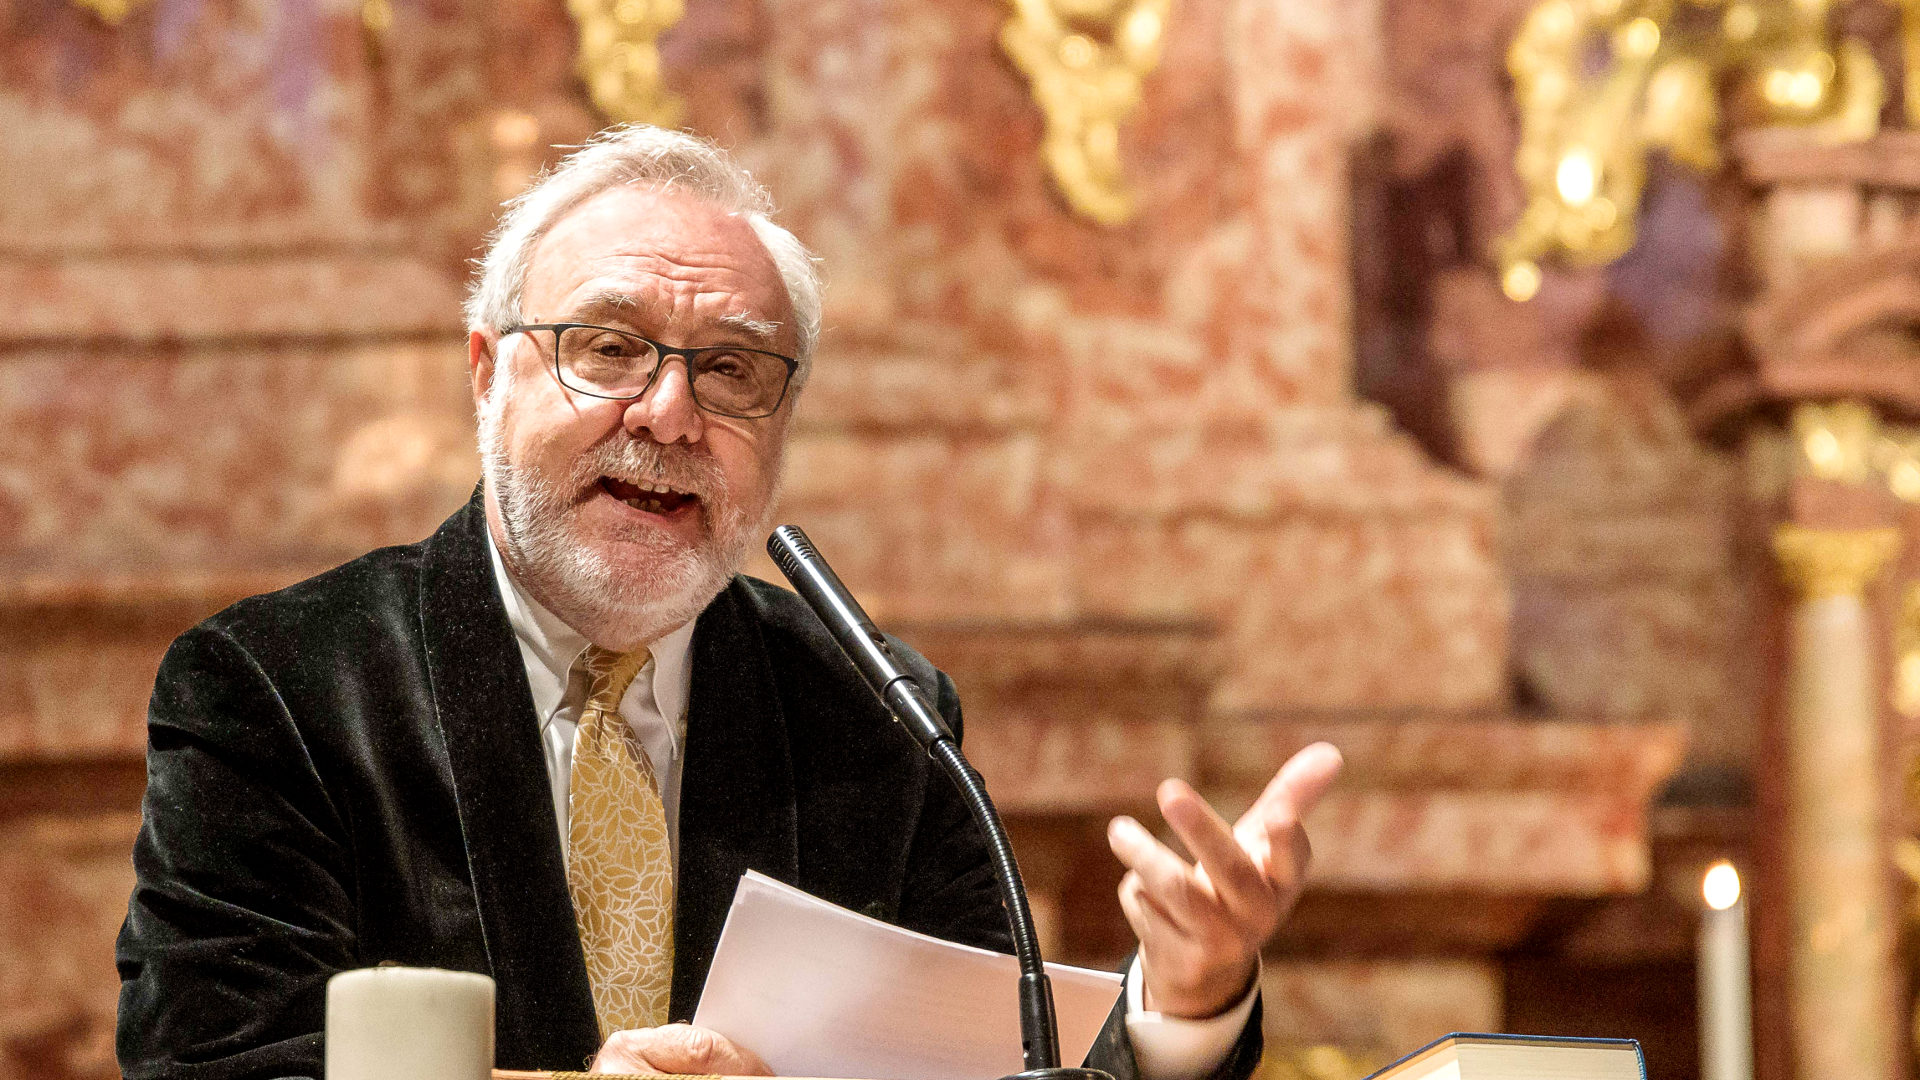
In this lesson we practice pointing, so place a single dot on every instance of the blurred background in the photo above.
(1515, 392)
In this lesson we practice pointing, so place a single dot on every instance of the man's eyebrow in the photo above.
(764, 331)
(606, 301)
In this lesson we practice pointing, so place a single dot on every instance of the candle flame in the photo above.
(1721, 886)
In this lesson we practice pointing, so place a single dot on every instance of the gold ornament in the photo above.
(620, 62)
(376, 16)
(1822, 563)
(1585, 137)
(1085, 61)
(1319, 1061)
(1836, 441)
(1910, 55)
(112, 12)
(1845, 442)
(1897, 454)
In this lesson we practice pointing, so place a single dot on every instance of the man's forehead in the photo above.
(648, 234)
(673, 226)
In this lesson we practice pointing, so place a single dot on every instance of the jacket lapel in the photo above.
(544, 1004)
(736, 790)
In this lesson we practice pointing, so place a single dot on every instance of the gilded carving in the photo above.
(1837, 441)
(1910, 58)
(1320, 1061)
(112, 12)
(1821, 563)
(620, 59)
(1085, 61)
(1844, 441)
(1586, 131)
(1897, 456)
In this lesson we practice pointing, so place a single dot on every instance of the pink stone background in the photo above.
(1127, 484)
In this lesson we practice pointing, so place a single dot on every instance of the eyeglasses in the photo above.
(727, 380)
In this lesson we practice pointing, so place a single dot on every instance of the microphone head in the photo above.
(788, 546)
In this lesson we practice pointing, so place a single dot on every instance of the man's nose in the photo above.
(666, 411)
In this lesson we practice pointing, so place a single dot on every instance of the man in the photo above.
(545, 742)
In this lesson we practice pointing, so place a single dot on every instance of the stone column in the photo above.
(1842, 973)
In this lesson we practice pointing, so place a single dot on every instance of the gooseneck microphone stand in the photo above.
(910, 704)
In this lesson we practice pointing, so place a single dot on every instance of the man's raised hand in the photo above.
(1201, 925)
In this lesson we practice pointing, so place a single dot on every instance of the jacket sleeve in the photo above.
(243, 900)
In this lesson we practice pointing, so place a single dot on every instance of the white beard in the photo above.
(616, 606)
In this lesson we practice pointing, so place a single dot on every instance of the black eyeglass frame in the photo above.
(664, 352)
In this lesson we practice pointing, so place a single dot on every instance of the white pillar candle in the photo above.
(400, 1023)
(1726, 994)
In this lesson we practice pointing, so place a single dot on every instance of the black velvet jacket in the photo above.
(349, 771)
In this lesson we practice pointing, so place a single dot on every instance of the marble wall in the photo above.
(1118, 480)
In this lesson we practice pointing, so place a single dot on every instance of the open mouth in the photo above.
(649, 497)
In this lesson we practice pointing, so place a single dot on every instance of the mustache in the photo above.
(642, 460)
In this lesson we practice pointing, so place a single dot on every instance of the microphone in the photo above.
(856, 635)
(910, 704)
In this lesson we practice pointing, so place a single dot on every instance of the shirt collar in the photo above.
(550, 647)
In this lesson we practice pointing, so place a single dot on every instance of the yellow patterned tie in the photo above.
(619, 863)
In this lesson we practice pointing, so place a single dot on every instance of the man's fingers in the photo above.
(737, 1060)
(677, 1048)
(1160, 936)
(1270, 830)
(1148, 921)
(1164, 875)
(1236, 881)
(1298, 786)
(1201, 927)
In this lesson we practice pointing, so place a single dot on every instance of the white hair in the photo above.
(643, 155)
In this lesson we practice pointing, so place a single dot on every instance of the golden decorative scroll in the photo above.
(620, 61)
(1584, 139)
(1085, 61)
(376, 16)
(1320, 1061)
(1844, 441)
(1585, 135)
(1897, 454)
(1910, 61)
(1822, 563)
(1837, 441)
(112, 12)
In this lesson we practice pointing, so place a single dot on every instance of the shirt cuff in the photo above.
(1175, 1048)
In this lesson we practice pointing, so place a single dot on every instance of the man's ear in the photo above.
(482, 349)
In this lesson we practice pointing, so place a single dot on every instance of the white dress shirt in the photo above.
(655, 706)
(1165, 1047)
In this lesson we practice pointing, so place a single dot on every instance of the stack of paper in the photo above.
(817, 990)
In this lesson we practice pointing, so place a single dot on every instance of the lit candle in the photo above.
(400, 1023)
(1726, 994)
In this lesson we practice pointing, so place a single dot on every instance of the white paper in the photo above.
(817, 990)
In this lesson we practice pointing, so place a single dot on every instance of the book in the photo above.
(1479, 1056)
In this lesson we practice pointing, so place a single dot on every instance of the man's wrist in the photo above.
(1168, 1047)
(1184, 1008)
